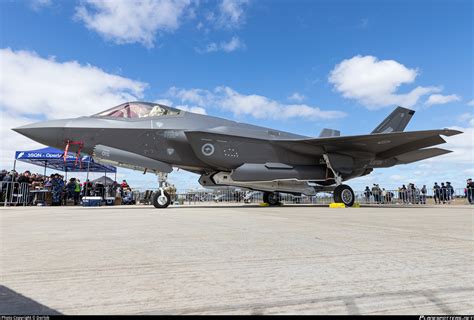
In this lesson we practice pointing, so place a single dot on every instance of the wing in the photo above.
(380, 149)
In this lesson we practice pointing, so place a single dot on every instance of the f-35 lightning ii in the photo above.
(155, 138)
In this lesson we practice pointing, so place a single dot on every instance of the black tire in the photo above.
(272, 198)
(344, 194)
(160, 202)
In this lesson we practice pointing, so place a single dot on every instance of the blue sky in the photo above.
(305, 65)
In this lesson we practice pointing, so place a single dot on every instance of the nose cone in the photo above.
(50, 133)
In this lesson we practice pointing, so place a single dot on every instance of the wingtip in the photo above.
(450, 132)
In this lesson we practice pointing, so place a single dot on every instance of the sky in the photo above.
(298, 66)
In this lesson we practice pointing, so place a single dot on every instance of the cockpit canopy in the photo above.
(131, 110)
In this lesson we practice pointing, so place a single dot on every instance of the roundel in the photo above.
(207, 149)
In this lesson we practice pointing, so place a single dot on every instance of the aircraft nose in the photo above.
(50, 133)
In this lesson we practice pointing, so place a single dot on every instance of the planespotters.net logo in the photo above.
(439, 317)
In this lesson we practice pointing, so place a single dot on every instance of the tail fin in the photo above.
(396, 121)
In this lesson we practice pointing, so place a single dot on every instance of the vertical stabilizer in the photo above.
(396, 121)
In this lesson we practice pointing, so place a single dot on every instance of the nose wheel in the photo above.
(272, 198)
(344, 194)
(161, 199)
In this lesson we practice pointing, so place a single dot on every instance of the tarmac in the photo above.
(237, 260)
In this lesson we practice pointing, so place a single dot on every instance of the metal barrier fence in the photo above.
(14, 194)
(384, 197)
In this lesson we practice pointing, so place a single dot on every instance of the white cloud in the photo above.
(397, 177)
(132, 21)
(33, 88)
(297, 97)
(466, 117)
(259, 107)
(200, 97)
(39, 4)
(441, 99)
(471, 103)
(233, 44)
(30, 84)
(12, 141)
(469, 171)
(185, 107)
(192, 109)
(231, 13)
(425, 166)
(165, 102)
(462, 146)
(374, 83)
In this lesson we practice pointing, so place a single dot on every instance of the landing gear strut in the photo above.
(272, 198)
(161, 199)
(344, 194)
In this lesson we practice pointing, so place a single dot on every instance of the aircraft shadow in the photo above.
(13, 303)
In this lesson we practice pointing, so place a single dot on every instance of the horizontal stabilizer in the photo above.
(422, 154)
(396, 121)
(329, 133)
(385, 144)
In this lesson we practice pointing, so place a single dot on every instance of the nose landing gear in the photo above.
(161, 199)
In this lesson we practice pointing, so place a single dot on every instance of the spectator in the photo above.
(423, 194)
(389, 196)
(128, 198)
(71, 189)
(87, 188)
(25, 177)
(124, 185)
(443, 193)
(7, 187)
(376, 193)
(77, 192)
(437, 193)
(57, 185)
(403, 193)
(3, 173)
(409, 194)
(470, 191)
(449, 191)
(367, 194)
(48, 183)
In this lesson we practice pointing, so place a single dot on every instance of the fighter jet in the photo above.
(157, 138)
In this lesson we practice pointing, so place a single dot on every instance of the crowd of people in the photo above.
(62, 191)
(411, 194)
(71, 191)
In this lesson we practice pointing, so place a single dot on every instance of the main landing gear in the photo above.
(272, 198)
(161, 199)
(344, 194)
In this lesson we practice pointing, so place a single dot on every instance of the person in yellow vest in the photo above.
(77, 192)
